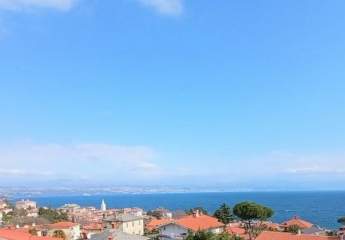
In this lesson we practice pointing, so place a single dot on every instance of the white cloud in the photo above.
(94, 161)
(62, 5)
(23, 172)
(165, 7)
(282, 162)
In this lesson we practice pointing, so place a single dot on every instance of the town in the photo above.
(25, 220)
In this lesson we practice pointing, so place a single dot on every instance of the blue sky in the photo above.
(237, 94)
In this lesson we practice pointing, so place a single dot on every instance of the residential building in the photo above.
(341, 233)
(91, 229)
(26, 204)
(162, 213)
(268, 235)
(296, 221)
(315, 230)
(179, 228)
(29, 206)
(132, 211)
(69, 208)
(304, 226)
(70, 229)
(21, 234)
(154, 224)
(236, 229)
(115, 234)
(127, 223)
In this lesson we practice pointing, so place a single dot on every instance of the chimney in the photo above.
(196, 213)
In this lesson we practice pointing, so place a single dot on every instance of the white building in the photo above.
(3, 203)
(69, 208)
(116, 235)
(71, 230)
(126, 223)
(180, 228)
(29, 206)
(26, 204)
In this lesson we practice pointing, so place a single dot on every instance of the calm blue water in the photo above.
(322, 208)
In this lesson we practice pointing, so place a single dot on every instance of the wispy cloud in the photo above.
(23, 172)
(285, 162)
(62, 5)
(93, 160)
(165, 7)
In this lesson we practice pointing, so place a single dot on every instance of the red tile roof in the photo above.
(235, 230)
(11, 234)
(272, 226)
(93, 226)
(62, 225)
(267, 235)
(156, 223)
(199, 222)
(298, 222)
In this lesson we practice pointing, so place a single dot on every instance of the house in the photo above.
(20, 234)
(161, 213)
(29, 206)
(179, 229)
(69, 208)
(132, 211)
(91, 229)
(154, 224)
(341, 233)
(236, 229)
(270, 226)
(115, 234)
(70, 229)
(315, 230)
(26, 204)
(126, 223)
(268, 235)
(296, 221)
(305, 226)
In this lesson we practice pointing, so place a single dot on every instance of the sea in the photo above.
(321, 208)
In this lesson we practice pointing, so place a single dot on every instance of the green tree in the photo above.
(205, 235)
(200, 235)
(59, 234)
(251, 213)
(52, 215)
(293, 229)
(224, 236)
(8, 218)
(224, 214)
(193, 210)
(341, 220)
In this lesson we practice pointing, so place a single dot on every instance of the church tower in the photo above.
(103, 206)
